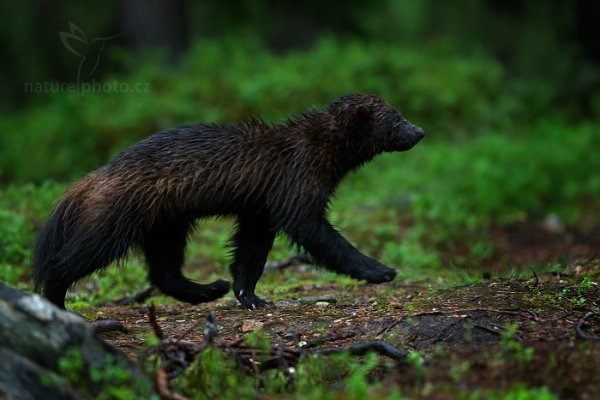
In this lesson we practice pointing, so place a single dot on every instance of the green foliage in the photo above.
(417, 361)
(519, 392)
(258, 339)
(71, 365)
(575, 297)
(512, 347)
(23, 209)
(459, 370)
(13, 227)
(216, 375)
(111, 380)
(230, 81)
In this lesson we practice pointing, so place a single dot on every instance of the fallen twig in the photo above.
(162, 386)
(486, 329)
(109, 325)
(537, 280)
(360, 349)
(281, 264)
(579, 328)
(328, 338)
(521, 313)
(154, 323)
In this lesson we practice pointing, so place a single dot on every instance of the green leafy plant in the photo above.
(512, 347)
(110, 380)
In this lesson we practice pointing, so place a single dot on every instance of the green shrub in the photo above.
(22, 211)
(72, 133)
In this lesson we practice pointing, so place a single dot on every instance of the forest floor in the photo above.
(535, 331)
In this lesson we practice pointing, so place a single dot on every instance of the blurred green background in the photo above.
(508, 92)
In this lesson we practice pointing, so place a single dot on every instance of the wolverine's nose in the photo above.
(419, 132)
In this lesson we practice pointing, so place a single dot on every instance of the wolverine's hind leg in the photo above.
(164, 248)
(79, 259)
(55, 292)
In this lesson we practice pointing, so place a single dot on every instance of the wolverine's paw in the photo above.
(251, 301)
(377, 273)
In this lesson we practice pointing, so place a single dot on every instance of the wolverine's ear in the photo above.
(360, 120)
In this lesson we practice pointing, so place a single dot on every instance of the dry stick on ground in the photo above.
(154, 323)
(361, 349)
(329, 338)
(537, 280)
(287, 262)
(162, 378)
(487, 329)
(162, 386)
(579, 328)
(521, 313)
(109, 325)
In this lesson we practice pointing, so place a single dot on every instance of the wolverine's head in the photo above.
(370, 125)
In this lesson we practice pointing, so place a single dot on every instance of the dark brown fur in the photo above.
(273, 178)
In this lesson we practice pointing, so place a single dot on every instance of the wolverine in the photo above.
(273, 178)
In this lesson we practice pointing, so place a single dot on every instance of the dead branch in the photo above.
(281, 264)
(580, 331)
(109, 325)
(328, 338)
(361, 349)
(537, 280)
(162, 386)
(158, 332)
(520, 313)
(487, 329)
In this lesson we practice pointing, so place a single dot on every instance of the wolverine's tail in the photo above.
(81, 236)
(51, 241)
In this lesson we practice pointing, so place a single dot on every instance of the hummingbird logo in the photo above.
(89, 51)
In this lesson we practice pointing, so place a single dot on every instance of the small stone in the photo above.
(322, 304)
(554, 224)
(312, 299)
(251, 325)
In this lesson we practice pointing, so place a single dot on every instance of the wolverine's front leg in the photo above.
(252, 243)
(331, 250)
